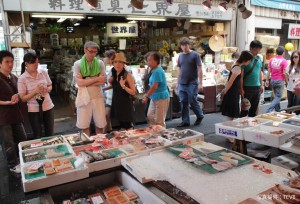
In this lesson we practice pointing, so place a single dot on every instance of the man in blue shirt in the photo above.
(189, 83)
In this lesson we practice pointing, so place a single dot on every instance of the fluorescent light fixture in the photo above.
(77, 24)
(61, 20)
(197, 21)
(53, 15)
(131, 21)
(90, 17)
(146, 19)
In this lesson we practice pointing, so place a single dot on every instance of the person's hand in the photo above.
(79, 76)
(223, 92)
(122, 82)
(8, 103)
(145, 100)
(15, 99)
(200, 88)
(267, 83)
(242, 92)
(110, 80)
(297, 89)
(261, 88)
(102, 78)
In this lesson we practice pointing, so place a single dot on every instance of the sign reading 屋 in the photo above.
(294, 31)
(122, 29)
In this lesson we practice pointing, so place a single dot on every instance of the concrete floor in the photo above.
(10, 184)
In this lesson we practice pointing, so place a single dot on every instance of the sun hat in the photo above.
(216, 43)
(120, 57)
(137, 4)
(245, 104)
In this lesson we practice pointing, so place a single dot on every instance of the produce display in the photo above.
(173, 134)
(276, 116)
(78, 139)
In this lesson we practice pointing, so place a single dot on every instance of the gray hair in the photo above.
(91, 44)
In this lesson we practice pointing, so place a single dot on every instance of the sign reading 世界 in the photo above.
(294, 31)
(120, 7)
(122, 29)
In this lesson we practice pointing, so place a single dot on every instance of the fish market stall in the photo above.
(212, 176)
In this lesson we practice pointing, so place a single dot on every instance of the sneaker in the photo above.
(16, 169)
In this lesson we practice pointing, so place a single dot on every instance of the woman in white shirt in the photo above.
(293, 79)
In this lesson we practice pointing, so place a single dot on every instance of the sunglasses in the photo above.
(295, 57)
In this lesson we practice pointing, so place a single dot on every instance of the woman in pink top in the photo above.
(34, 86)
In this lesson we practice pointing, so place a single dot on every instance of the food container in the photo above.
(268, 135)
(235, 129)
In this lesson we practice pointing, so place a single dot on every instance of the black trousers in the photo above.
(47, 120)
(11, 136)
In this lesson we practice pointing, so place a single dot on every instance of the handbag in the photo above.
(134, 97)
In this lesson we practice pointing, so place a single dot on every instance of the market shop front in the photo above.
(168, 23)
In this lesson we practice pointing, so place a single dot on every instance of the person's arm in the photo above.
(26, 97)
(261, 81)
(268, 77)
(200, 76)
(152, 90)
(107, 88)
(14, 100)
(130, 81)
(230, 82)
(242, 92)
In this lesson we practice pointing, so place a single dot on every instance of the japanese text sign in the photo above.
(122, 29)
(294, 31)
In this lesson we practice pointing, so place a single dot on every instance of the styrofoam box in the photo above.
(261, 135)
(197, 137)
(22, 144)
(289, 147)
(290, 126)
(52, 180)
(287, 161)
(138, 175)
(22, 162)
(63, 192)
(235, 129)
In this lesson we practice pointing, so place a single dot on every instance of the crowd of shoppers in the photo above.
(119, 90)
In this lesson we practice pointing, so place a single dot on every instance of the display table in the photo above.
(231, 186)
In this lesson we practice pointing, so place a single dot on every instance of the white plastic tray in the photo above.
(289, 147)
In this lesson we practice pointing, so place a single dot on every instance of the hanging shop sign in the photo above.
(121, 7)
(278, 4)
(122, 29)
(294, 31)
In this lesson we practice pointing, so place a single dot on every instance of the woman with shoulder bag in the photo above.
(231, 93)
(123, 90)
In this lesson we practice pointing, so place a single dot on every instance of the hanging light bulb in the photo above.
(223, 6)
(137, 4)
(245, 12)
(179, 24)
(207, 4)
(92, 3)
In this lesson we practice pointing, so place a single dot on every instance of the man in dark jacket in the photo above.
(11, 128)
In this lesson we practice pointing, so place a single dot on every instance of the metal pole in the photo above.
(23, 22)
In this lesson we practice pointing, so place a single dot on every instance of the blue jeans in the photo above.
(277, 86)
(188, 97)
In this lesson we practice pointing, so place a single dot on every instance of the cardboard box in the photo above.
(15, 30)
(262, 135)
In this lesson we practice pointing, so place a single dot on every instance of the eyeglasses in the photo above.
(117, 61)
(295, 56)
(92, 52)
